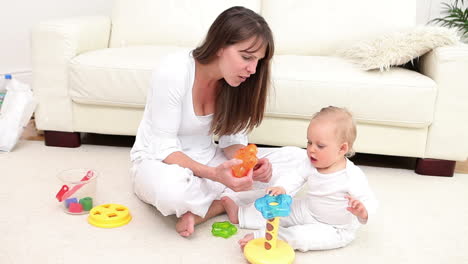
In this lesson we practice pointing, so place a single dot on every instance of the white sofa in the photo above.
(91, 74)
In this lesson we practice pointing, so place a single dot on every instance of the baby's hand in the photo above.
(274, 191)
(356, 208)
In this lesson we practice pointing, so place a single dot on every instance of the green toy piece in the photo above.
(223, 229)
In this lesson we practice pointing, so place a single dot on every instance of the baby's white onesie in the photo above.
(320, 219)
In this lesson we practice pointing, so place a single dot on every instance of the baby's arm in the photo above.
(361, 198)
(292, 180)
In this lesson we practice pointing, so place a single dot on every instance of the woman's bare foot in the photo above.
(186, 224)
(245, 240)
(231, 208)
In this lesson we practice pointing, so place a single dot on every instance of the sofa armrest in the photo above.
(448, 67)
(54, 43)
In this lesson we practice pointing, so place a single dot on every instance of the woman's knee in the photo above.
(156, 182)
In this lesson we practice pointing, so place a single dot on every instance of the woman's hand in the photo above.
(274, 191)
(224, 175)
(262, 172)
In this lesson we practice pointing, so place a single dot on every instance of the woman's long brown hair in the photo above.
(238, 108)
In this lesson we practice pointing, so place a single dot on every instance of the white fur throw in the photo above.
(398, 48)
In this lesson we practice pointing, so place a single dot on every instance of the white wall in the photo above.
(427, 10)
(17, 17)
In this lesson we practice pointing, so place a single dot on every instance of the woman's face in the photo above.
(237, 62)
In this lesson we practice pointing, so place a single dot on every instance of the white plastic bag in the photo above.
(18, 107)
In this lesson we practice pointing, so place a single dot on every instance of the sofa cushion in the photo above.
(115, 76)
(398, 97)
(398, 47)
(303, 84)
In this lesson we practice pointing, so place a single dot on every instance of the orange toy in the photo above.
(248, 155)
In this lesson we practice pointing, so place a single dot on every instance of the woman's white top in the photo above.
(169, 121)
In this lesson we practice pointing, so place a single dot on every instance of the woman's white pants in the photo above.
(173, 189)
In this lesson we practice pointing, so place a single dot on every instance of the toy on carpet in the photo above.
(270, 249)
(65, 191)
(223, 229)
(109, 216)
(75, 207)
(248, 155)
(77, 195)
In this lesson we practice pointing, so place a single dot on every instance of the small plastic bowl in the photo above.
(78, 191)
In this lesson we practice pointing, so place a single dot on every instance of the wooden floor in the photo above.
(462, 167)
(31, 133)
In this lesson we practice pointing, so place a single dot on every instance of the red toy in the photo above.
(248, 155)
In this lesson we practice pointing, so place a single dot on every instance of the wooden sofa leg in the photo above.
(435, 167)
(62, 139)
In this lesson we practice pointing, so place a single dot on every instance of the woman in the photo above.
(220, 88)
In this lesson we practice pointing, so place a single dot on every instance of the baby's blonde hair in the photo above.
(345, 124)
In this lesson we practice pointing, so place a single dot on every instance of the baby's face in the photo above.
(323, 146)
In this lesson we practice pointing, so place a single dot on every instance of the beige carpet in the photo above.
(421, 219)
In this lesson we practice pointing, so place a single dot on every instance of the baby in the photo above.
(338, 198)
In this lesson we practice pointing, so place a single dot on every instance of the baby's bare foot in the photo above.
(245, 240)
(186, 224)
(231, 209)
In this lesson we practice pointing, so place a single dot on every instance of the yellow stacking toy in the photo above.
(109, 216)
(269, 249)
